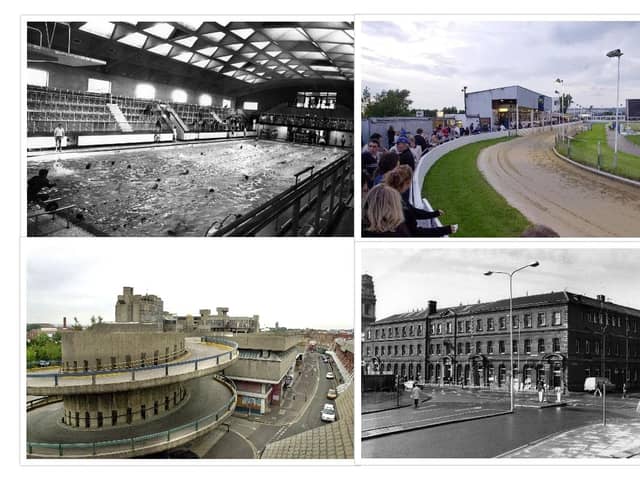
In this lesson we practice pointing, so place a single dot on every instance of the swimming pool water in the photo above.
(177, 190)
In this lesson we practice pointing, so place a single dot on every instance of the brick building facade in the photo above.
(557, 337)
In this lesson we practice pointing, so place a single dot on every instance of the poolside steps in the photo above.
(121, 120)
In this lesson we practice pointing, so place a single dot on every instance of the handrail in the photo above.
(143, 440)
(259, 218)
(138, 369)
(37, 30)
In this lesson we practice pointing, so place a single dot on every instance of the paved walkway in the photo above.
(624, 145)
(615, 440)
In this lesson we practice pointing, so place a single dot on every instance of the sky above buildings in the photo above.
(436, 59)
(406, 279)
(283, 281)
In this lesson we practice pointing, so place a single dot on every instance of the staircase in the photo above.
(119, 117)
(173, 118)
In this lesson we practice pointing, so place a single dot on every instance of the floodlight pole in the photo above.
(616, 54)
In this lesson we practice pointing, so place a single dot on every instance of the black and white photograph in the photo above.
(187, 127)
(521, 353)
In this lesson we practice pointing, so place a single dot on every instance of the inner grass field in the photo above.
(634, 138)
(584, 149)
(454, 184)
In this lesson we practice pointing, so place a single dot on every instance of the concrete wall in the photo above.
(126, 406)
(138, 308)
(267, 341)
(96, 347)
(63, 77)
(266, 370)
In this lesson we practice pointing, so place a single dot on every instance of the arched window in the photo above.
(205, 100)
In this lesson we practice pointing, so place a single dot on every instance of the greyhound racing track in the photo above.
(552, 192)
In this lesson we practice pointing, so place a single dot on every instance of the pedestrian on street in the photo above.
(415, 394)
(624, 390)
(540, 388)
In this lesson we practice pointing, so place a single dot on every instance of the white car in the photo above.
(328, 413)
(330, 375)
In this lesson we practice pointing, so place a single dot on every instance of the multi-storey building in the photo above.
(132, 308)
(558, 337)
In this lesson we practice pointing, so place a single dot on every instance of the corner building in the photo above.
(557, 337)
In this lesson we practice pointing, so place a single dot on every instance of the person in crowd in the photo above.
(435, 140)
(400, 179)
(36, 184)
(388, 162)
(58, 135)
(405, 157)
(370, 160)
(416, 149)
(391, 133)
(420, 140)
(383, 213)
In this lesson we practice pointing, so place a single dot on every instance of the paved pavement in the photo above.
(624, 145)
(614, 440)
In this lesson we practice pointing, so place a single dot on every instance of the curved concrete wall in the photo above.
(432, 156)
(93, 349)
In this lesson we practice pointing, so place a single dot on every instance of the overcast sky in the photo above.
(407, 278)
(434, 60)
(285, 281)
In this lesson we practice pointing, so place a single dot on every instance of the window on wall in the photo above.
(404, 350)
(478, 347)
(479, 325)
(489, 346)
(419, 349)
(448, 327)
(515, 321)
(542, 319)
(404, 331)
(38, 78)
(431, 349)
(596, 347)
(490, 324)
(438, 349)
(439, 329)
(467, 347)
(250, 106)
(410, 349)
(527, 320)
(95, 85)
(205, 100)
(467, 326)
(556, 345)
(514, 346)
(527, 345)
(395, 350)
(577, 345)
(411, 330)
(226, 103)
(557, 318)
(541, 345)
(390, 332)
(502, 322)
(419, 330)
(376, 351)
(179, 96)
(501, 348)
(145, 90)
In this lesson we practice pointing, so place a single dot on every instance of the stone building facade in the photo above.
(221, 322)
(132, 308)
(557, 338)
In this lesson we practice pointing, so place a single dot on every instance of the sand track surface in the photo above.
(552, 192)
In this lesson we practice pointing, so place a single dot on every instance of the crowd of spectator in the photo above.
(387, 179)
(307, 121)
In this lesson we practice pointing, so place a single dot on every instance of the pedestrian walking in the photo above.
(415, 395)
(624, 390)
(540, 388)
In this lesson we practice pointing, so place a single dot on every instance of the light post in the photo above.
(510, 275)
(561, 82)
(455, 344)
(464, 91)
(605, 326)
(616, 54)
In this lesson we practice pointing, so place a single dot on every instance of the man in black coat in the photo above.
(420, 140)
(405, 156)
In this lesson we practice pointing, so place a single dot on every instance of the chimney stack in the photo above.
(64, 322)
(601, 298)
(432, 307)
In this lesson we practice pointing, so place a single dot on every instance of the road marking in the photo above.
(427, 420)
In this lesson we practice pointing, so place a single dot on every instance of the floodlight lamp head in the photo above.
(614, 53)
(488, 273)
(534, 264)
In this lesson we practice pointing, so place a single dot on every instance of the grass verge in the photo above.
(454, 184)
(584, 149)
(634, 138)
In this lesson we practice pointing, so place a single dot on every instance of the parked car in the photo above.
(44, 363)
(332, 394)
(590, 384)
(330, 375)
(328, 413)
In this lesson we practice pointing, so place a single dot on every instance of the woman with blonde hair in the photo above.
(383, 213)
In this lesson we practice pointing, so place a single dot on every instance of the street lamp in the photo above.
(464, 91)
(510, 275)
(616, 54)
(561, 82)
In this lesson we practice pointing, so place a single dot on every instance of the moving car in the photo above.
(332, 394)
(330, 375)
(328, 413)
(44, 363)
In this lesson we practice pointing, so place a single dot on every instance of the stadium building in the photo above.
(508, 107)
(189, 128)
(633, 109)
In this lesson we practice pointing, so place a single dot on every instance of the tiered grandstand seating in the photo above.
(339, 119)
(79, 112)
(207, 119)
(141, 114)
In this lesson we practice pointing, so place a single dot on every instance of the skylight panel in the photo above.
(243, 33)
(260, 45)
(102, 29)
(234, 46)
(208, 51)
(274, 53)
(135, 39)
(215, 36)
(184, 57)
(162, 49)
(187, 42)
(224, 58)
(191, 25)
(162, 30)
